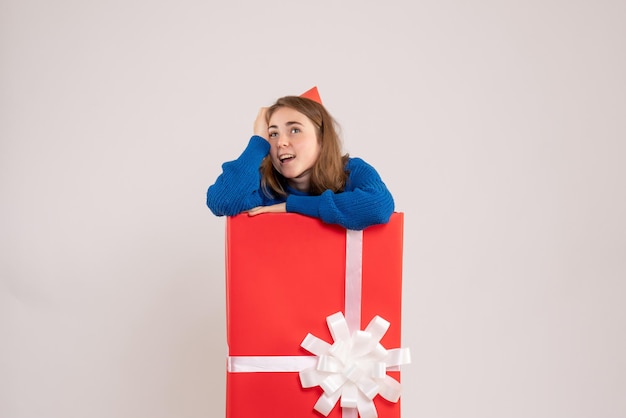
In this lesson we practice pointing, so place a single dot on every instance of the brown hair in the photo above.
(328, 172)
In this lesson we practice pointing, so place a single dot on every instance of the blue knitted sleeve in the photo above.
(365, 201)
(237, 189)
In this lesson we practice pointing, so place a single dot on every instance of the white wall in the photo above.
(500, 128)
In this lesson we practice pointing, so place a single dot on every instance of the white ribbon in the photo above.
(354, 274)
(259, 364)
(354, 368)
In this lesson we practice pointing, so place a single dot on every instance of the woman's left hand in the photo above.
(277, 208)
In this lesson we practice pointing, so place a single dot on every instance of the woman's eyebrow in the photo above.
(290, 123)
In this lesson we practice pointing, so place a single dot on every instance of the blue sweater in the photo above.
(364, 202)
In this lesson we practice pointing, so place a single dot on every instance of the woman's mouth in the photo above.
(286, 157)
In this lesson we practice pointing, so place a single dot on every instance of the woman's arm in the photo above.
(237, 189)
(365, 201)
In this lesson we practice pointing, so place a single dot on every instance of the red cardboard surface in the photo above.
(285, 273)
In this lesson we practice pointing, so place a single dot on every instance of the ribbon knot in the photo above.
(354, 368)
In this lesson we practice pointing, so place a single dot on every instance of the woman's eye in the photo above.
(273, 134)
(295, 130)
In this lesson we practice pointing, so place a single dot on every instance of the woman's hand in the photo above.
(277, 208)
(260, 124)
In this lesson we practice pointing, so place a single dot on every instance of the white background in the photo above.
(499, 127)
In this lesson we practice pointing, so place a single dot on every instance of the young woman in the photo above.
(293, 163)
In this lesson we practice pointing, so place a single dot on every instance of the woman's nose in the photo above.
(282, 140)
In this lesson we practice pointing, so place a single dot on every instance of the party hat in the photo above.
(312, 94)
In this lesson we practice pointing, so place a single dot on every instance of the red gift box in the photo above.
(285, 274)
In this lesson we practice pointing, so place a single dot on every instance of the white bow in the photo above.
(354, 368)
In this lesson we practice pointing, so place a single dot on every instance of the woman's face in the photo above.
(294, 147)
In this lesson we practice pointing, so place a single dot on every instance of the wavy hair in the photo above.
(328, 172)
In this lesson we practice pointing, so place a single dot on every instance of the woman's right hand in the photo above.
(260, 124)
